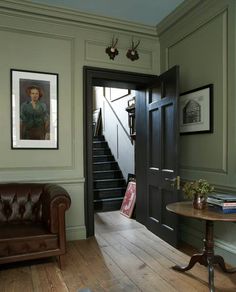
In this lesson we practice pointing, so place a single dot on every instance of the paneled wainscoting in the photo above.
(123, 256)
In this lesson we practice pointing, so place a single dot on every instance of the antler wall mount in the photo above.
(112, 50)
(132, 53)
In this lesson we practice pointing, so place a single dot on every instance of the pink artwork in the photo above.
(128, 203)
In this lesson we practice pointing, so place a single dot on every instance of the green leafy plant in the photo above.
(199, 187)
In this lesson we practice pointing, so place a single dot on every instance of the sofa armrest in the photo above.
(55, 201)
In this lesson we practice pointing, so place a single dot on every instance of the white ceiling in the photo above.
(148, 12)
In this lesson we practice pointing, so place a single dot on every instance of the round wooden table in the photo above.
(207, 257)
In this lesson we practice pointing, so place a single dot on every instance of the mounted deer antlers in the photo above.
(112, 50)
(132, 53)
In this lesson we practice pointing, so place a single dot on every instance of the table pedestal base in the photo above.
(207, 258)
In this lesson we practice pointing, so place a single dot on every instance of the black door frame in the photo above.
(93, 76)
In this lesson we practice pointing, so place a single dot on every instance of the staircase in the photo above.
(109, 185)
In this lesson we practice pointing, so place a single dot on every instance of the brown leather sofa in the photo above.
(32, 221)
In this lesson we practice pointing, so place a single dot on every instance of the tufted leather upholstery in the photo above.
(32, 221)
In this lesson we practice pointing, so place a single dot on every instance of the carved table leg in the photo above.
(219, 260)
(206, 258)
(196, 258)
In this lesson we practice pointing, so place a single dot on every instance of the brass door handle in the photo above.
(174, 181)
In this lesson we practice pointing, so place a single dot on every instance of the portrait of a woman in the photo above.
(34, 117)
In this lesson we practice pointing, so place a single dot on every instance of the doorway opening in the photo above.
(113, 146)
(104, 78)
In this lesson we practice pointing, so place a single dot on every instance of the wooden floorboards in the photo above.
(123, 256)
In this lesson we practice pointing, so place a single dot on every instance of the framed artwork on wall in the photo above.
(129, 200)
(34, 110)
(196, 110)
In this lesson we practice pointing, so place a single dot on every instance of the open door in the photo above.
(157, 144)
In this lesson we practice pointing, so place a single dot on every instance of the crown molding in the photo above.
(69, 16)
(174, 16)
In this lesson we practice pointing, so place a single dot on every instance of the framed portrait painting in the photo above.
(34, 110)
(196, 114)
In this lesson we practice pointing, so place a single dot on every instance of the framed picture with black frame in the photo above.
(196, 110)
(34, 110)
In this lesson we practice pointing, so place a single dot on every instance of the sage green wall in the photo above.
(61, 41)
(202, 43)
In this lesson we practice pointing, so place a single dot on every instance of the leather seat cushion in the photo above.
(25, 238)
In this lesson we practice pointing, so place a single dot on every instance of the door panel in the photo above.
(161, 155)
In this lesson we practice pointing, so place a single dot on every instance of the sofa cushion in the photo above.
(20, 202)
(25, 238)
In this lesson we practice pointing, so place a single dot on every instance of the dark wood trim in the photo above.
(93, 76)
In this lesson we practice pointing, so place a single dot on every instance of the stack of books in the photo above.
(224, 203)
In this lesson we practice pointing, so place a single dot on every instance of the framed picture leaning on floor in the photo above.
(129, 200)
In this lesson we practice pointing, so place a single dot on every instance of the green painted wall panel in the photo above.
(203, 44)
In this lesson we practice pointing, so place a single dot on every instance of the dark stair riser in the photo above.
(109, 193)
(103, 158)
(105, 206)
(107, 174)
(101, 151)
(108, 183)
(98, 138)
(100, 144)
(105, 166)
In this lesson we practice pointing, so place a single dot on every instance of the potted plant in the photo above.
(198, 191)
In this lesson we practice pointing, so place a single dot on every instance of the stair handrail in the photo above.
(127, 134)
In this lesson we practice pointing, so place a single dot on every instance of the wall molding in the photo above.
(205, 169)
(201, 13)
(71, 41)
(194, 29)
(40, 179)
(177, 14)
(121, 59)
(69, 16)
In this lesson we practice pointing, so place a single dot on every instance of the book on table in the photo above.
(221, 203)
(224, 203)
(221, 209)
(223, 197)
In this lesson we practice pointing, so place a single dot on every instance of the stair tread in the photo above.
(110, 189)
(109, 170)
(109, 199)
(106, 162)
(109, 179)
(99, 142)
(103, 155)
(109, 185)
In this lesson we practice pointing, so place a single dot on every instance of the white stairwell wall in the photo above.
(115, 129)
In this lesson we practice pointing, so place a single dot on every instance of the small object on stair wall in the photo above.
(96, 121)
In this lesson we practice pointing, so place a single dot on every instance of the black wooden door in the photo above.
(157, 146)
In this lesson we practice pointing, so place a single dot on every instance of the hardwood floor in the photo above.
(123, 256)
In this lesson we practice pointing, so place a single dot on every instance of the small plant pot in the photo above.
(199, 202)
